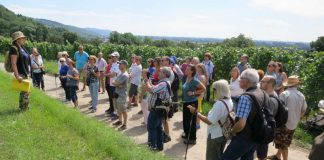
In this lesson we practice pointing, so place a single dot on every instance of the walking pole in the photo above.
(189, 135)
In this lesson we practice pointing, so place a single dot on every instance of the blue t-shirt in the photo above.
(151, 71)
(80, 59)
(190, 86)
(64, 69)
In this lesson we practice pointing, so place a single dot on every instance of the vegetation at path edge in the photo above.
(51, 130)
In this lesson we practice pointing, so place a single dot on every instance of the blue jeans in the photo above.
(93, 87)
(154, 128)
(240, 147)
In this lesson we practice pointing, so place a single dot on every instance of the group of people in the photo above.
(156, 90)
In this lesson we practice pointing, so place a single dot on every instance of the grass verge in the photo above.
(50, 130)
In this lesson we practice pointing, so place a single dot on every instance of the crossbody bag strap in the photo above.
(219, 122)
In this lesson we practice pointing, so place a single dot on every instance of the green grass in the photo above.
(51, 67)
(50, 130)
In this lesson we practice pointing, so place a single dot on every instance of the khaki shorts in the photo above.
(121, 104)
(283, 137)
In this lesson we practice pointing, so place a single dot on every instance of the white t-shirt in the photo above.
(135, 74)
(235, 88)
(218, 112)
(101, 64)
(114, 69)
(296, 103)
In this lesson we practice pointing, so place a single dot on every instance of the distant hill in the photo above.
(87, 33)
(300, 45)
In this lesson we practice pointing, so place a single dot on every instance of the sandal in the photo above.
(273, 157)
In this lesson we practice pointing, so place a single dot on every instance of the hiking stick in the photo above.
(189, 135)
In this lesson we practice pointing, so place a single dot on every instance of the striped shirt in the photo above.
(160, 89)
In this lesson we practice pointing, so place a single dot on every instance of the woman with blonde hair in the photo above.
(218, 114)
(203, 78)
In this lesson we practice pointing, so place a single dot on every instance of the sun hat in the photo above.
(65, 53)
(115, 54)
(173, 59)
(292, 81)
(17, 35)
(123, 62)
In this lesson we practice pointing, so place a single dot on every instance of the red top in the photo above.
(156, 76)
(107, 71)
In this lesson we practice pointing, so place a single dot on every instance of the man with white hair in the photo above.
(243, 143)
(158, 93)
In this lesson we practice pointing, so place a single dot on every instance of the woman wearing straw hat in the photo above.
(20, 61)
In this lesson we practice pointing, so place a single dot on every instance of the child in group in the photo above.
(144, 94)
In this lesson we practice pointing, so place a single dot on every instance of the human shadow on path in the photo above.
(136, 131)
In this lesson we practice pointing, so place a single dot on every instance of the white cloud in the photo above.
(276, 23)
(306, 8)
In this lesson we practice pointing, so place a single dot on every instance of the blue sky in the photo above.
(283, 20)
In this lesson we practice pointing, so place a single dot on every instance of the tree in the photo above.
(96, 41)
(240, 41)
(163, 43)
(318, 45)
(70, 37)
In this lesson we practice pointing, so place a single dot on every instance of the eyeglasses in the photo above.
(61, 61)
(270, 66)
(109, 57)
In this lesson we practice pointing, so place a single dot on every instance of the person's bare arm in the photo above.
(239, 125)
(203, 118)
(14, 67)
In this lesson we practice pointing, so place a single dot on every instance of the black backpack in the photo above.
(263, 125)
(282, 113)
(176, 82)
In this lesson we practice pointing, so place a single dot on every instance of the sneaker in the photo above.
(123, 127)
(112, 114)
(90, 108)
(117, 123)
(93, 111)
(140, 112)
(186, 141)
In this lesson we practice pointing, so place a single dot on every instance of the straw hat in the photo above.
(65, 53)
(17, 35)
(292, 81)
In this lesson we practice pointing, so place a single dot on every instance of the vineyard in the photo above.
(308, 65)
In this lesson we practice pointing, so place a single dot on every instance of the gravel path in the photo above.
(137, 131)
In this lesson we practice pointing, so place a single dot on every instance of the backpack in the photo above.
(282, 113)
(176, 82)
(263, 125)
(228, 124)
(7, 64)
(163, 106)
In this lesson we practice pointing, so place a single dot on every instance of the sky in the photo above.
(279, 20)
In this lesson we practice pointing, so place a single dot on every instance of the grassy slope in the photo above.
(50, 130)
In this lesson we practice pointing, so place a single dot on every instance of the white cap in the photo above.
(115, 54)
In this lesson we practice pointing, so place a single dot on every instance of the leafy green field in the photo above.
(50, 130)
